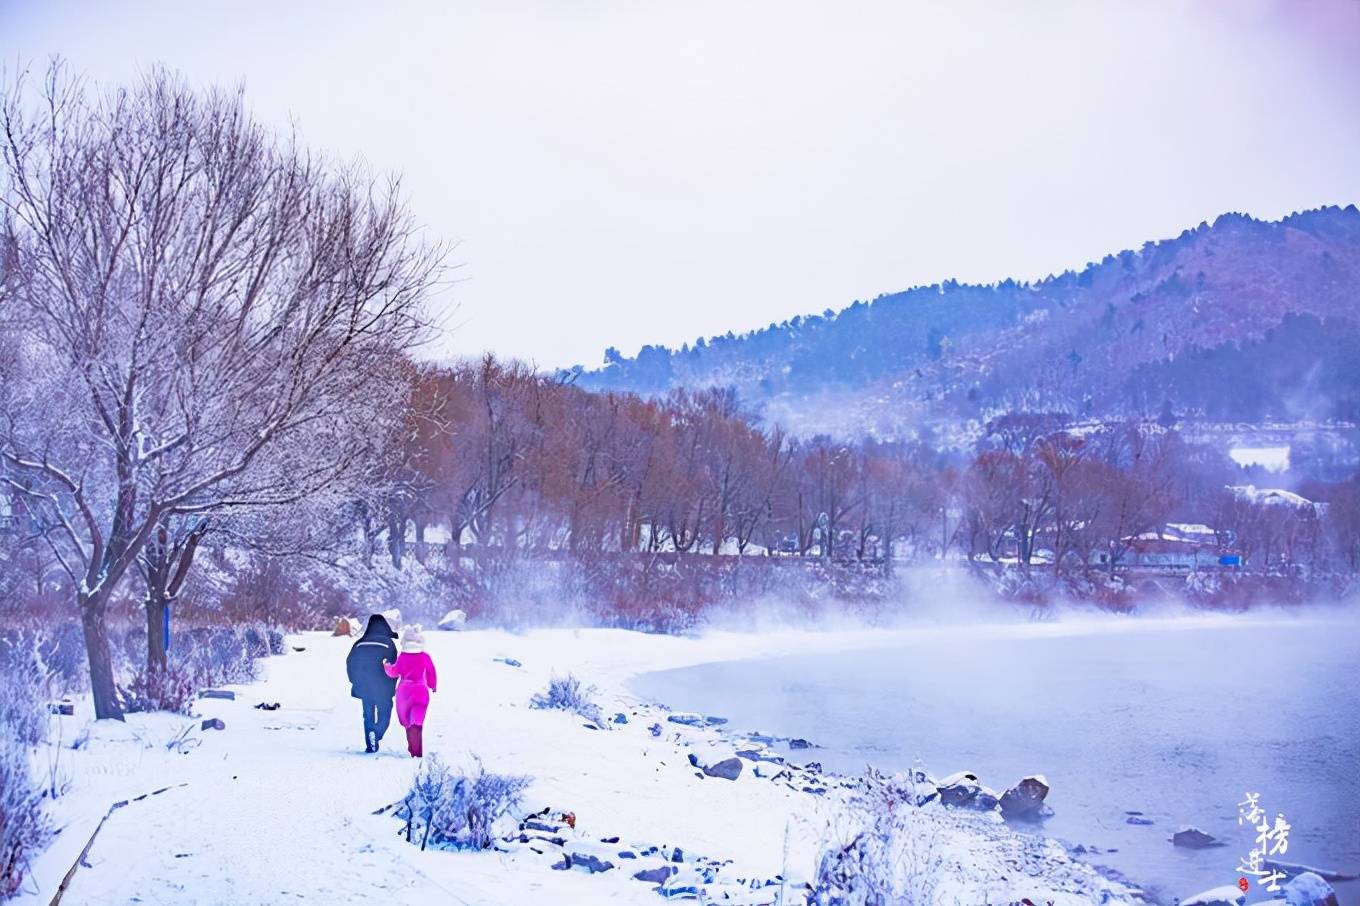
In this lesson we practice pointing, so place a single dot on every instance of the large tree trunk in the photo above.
(156, 642)
(396, 539)
(93, 609)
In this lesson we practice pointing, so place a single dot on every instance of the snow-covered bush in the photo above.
(218, 655)
(173, 689)
(567, 694)
(450, 809)
(24, 828)
(23, 679)
(62, 649)
(199, 659)
(891, 857)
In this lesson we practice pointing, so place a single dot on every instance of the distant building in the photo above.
(1151, 551)
(1276, 497)
(1190, 532)
(1176, 547)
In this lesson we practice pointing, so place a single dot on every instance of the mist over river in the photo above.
(1174, 718)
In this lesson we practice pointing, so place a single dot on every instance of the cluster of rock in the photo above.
(769, 765)
(672, 872)
(793, 742)
(1024, 801)
(677, 874)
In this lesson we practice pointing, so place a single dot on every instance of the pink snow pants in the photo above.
(417, 678)
(412, 700)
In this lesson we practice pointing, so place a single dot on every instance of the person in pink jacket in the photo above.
(416, 679)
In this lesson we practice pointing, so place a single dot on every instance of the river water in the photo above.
(1177, 719)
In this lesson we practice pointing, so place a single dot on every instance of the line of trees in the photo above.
(510, 459)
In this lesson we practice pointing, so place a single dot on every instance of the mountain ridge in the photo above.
(1116, 338)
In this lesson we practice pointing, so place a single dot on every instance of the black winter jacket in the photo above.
(364, 665)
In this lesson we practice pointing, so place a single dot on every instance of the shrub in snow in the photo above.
(62, 650)
(1200, 585)
(199, 659)
(567, 694)
(173, 689)
(891, 856)
(451, 809)
(24, 828)
(218, 655)
(23, 707)
(256, 641)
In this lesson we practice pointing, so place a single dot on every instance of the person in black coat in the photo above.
(369, 682)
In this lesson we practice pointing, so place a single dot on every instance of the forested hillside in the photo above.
(1239, 320)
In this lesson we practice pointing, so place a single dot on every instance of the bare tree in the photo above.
(1142, 497)
(991, 496)
(218, 318)
(164, 564)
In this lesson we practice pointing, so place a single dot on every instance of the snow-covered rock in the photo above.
(1227, 895)
(1026, 798)
(1194, 838)
(959, 789)
(589, 863)
(657, 875)
(689, 719)
(727, 769)
(453, 620)
(1309, 889)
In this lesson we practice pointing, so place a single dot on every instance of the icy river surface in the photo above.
(1176, 719)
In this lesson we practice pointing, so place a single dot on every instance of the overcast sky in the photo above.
(618, 173)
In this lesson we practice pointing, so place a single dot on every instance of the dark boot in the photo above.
(413, 741)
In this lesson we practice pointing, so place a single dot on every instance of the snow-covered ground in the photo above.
(279, 805)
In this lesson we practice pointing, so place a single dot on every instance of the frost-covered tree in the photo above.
(209, 319)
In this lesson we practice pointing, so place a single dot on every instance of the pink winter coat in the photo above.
(416, 679)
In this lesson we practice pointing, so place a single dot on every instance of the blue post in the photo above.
(165, 626)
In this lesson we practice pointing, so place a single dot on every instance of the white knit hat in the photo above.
(412, 639)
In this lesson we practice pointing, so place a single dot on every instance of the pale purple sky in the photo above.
(619, 173)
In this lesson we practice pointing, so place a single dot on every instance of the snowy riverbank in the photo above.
(280, 805)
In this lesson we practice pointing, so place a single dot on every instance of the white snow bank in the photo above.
(280, 804)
